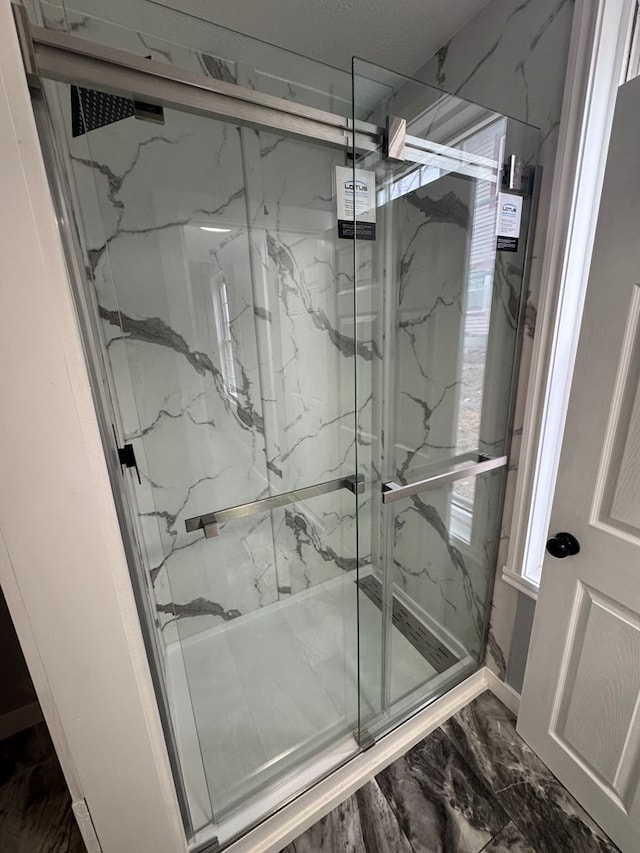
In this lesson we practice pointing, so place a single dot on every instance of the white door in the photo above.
(580, 707)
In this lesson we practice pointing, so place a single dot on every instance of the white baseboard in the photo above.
(507, 695)
(280, 829)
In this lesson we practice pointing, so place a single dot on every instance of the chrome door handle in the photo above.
(396, 491)
(210, 521)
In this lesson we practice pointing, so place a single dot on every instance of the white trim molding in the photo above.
(503, 691)
(65, 575)
(596, 67)
(520, 582)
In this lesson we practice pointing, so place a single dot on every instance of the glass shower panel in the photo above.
(448, 302)
(227, 313)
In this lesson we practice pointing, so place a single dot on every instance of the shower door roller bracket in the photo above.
(517, 177)
(513, 173)
(395, 140)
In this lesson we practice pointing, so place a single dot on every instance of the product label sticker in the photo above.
(356, 196)
(507, 244)
(509, 216)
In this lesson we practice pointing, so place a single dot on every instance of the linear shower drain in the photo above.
(420, 637)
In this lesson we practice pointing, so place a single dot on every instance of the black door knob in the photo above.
(563, 545)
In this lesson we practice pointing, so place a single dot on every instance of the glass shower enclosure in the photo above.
(301, 310)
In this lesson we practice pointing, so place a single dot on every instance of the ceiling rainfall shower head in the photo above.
(91, 109)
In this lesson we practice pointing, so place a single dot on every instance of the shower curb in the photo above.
(292, 820)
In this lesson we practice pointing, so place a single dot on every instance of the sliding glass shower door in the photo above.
(227, 315)
(441, 255)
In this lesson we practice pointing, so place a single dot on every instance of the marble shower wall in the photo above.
(231, 352)
(204, 397)
(512, 58)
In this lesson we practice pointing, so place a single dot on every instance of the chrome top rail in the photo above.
(396, 491)
(67, 58)
(70, 59)
(210, 521)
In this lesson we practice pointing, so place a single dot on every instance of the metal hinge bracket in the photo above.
(512, 173)
(127, 458)
(395, 138)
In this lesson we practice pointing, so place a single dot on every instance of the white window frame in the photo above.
(597, 65)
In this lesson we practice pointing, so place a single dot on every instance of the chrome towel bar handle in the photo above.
(209, 521)
(395, 491)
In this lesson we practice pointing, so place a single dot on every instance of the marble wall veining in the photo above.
(233, 355)
(231, 351)
(228, 406)
(512, 58)
(433, 227)
(445, 577)
(451, 305)
(203, 330)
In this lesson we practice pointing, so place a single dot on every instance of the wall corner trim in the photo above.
(502, 691)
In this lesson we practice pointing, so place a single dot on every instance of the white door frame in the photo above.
(579, 702)
(600, 43)
(62, 563)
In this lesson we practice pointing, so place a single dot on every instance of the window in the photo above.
(220, 297)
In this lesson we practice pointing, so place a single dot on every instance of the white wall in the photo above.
(62, 566)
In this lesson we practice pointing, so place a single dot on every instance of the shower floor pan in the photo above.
(275, 692)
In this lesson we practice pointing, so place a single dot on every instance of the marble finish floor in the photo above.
(473, 785)
(35, 806)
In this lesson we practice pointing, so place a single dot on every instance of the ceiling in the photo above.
(398, 34)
